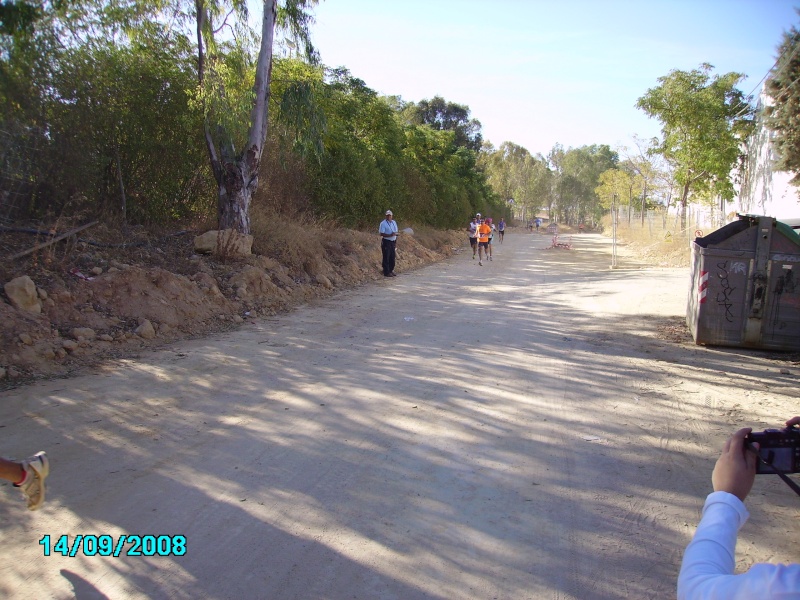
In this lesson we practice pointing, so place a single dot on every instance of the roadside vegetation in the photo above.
(176, 114)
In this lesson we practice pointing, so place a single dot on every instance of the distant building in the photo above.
(764, 191)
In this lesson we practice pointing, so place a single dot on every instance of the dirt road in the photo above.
(539, 427)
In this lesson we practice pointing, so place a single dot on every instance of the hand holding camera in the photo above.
(735, 470)
(747, 453)
(778, 450)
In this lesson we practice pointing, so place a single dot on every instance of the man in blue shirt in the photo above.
(388, 231)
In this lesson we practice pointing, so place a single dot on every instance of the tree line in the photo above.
(173, 110)
(134, 117)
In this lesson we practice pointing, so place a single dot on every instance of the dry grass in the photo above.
(308, 246)
(652, 243)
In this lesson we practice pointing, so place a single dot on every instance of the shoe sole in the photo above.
(41, 469)
(44, 467)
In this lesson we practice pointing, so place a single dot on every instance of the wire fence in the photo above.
(659, 224)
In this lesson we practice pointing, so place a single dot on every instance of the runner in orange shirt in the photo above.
(483, 241)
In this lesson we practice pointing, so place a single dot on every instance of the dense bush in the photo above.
(111, 101)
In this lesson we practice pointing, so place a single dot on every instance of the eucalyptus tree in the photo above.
(513, 172)
(704, 120)
(578, 172)
(785, 104)
(235, 92)
(440, 114)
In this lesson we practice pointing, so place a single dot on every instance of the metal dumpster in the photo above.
(745, 286)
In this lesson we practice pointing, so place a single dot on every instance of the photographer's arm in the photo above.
(735, 470)
(708, 563)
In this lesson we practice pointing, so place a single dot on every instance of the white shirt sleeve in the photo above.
(708, 563)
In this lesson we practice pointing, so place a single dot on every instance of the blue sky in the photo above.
(541, 72)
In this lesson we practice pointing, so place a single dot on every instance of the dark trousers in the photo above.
(388, 249)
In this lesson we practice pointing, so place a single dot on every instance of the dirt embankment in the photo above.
(100, 298)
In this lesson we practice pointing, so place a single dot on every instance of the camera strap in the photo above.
(781, 474)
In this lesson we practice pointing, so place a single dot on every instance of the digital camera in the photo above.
(779, 448)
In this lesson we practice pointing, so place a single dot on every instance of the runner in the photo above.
(483, 241)
(472, 228)
(501, 229)
(491, 236)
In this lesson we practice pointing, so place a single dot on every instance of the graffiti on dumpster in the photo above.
(785, 284)
(724, 297)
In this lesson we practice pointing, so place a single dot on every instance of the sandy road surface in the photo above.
(517, 430)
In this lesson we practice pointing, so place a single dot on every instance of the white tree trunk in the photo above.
(238, 179)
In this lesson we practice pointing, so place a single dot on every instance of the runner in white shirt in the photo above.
(472, 228)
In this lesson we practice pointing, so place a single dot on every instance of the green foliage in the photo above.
(300, 120)
(293, 18)
(111, 117)
(109, 90)
(226, 95)
(578, 172)
(373, 159)
(615, 185)
(514, 173)
(704, 120)
(439, 114)
(17, 16)
(785, 94)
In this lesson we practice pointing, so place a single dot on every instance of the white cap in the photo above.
(388, 212)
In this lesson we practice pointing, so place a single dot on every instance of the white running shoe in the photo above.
(480, 264)
(36, 468)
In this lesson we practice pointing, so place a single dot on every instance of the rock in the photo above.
(25, 339)
(83, 333)
(207, 283)
(49, 354)
(105, 337)
(97, 271)
(13, 373)
(60, 353)
(21, 292)
(42, 293)
(227, 242)
(324, 282)
(69, 345)
(145, 330)
(237, 319)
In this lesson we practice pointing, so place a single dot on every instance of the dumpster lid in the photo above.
(743, 223)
